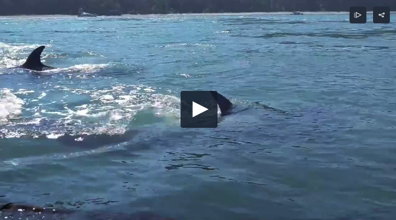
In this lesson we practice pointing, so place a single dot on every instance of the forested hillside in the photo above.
(13, 7)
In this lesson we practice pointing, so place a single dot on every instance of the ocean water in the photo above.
(101, 134)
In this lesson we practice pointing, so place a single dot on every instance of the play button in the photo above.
(358, 15)
(198, 109)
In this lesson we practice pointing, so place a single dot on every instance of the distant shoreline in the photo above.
(200, 14)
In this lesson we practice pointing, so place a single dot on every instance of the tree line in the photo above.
(103, 7)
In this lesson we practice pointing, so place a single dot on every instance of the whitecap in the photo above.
(54, 136)
(10, 105)
(81, 68)
(185, 75)
(24, 92)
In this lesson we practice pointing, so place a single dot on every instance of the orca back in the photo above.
(33, 62)
(224, 104)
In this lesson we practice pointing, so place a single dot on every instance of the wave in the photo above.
(10, 164)
(99, 31)
(19, 47)
(80, 68)
(331, 35)
(335, 47)
(183, 45)
(75, 69)
(346, 35)
(261, 21)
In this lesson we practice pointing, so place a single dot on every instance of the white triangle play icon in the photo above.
(198, 109)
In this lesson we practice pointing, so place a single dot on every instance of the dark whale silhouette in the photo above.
(33, 62)
(225, 105)
(228, 108)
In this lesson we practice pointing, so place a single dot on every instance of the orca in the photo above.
(225, 105)
(228, 108)
(33, 62)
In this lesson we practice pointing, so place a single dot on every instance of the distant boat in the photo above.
(85, 14)
(81, 13)
(297, 13)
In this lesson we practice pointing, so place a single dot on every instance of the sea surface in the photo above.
(101, 134)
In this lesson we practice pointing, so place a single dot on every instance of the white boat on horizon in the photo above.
(81, 13)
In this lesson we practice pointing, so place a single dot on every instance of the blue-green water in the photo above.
(330, 156)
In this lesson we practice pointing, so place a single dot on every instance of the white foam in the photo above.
(149, 89)
(106, 111)
(191, 45)
(166, 105)
(43, 94)
(5, 133)
(54, 136)
(222, 32)
(23, 92)
(116, 115)
(185, 75)
(35, 121)
(79, 139)
(82, 68)
(6, 62)
(19, 47)
(88, 68)
(10, 105)
(124, 102)
(107, 98)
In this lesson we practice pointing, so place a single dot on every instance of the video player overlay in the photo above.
(198, 109)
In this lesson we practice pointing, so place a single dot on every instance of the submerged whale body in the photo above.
(228, 108)
(33, 62)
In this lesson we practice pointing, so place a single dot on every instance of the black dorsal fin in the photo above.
(33, 62)
(7, 206)
(224, 104)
